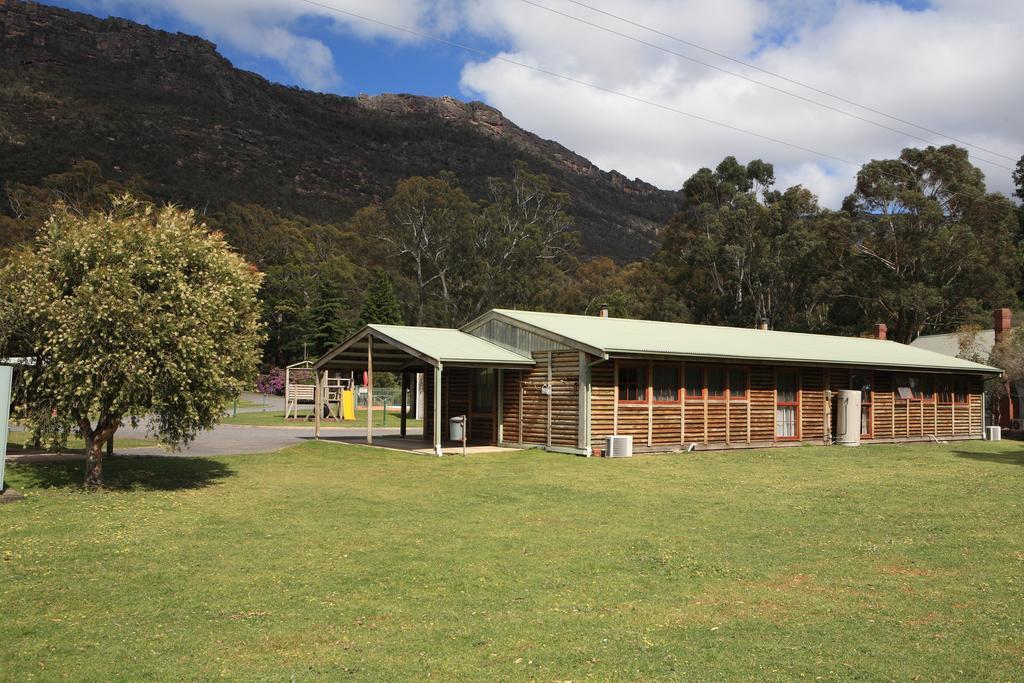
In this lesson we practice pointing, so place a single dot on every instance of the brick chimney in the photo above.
(603, 311)
(1001, 321)
(880, 331)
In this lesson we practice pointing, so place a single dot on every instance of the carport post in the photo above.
(317, 404)
(405, 392)
(369, 389)
(437, 410)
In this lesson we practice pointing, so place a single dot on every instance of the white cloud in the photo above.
(953, 68)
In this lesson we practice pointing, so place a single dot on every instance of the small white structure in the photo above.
(618, 447)
(848, 411)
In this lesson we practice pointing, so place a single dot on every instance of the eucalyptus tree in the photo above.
(929, 248)
(739, 251)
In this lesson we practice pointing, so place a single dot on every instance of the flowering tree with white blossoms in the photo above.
(138, 312)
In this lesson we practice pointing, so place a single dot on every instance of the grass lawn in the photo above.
(275, 419)
(16, 443)
(242, 403)
(879, 563)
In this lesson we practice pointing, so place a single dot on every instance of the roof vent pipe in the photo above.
(603, 311)
(762, 324)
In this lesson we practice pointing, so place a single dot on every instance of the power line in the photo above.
(747, 78)
(571, 79)
(749, 65)
(578, 81)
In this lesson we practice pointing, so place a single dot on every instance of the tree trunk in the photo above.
(94, 463)
(95, 441)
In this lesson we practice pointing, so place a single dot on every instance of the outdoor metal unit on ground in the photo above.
(848, 417)
(619, 447)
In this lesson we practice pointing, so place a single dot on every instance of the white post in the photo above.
(287, 391)
(437, 410)
(318, 400)
(6, 373)
(420, 397)
(499, 415)
(369, 389)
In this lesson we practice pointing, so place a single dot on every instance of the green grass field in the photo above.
(241, 403)
(16, 443)
(275, 419)
(327, 561)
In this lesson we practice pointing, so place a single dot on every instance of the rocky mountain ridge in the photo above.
(169, 108)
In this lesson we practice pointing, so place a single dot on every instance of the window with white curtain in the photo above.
(787, 404)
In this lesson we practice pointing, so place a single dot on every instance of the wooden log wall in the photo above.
(512, 406)
(716, 422)
(534, 418)
(530, 416)
(602, 403)
(564, 401)
(894, 418)
(762, 403)
(812, 405)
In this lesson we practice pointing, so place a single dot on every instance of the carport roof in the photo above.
(433, 345)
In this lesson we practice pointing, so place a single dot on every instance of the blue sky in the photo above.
(372, 66)
(927, 62)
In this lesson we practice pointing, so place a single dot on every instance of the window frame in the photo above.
(478, 376)
(797, 404)
(746, 383)
(869, 375)
(679, 384)
(919, 379)
(930, 379)
(695, 398)
(725, 383)
(964, 382)
(643, 386)
(944, 396)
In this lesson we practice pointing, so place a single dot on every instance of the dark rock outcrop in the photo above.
(169, 108)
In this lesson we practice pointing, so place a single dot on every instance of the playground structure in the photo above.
(300, 389)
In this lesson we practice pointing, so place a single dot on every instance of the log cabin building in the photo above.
(565, 382)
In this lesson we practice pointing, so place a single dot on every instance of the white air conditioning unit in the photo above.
(618, 447)
(994, 433)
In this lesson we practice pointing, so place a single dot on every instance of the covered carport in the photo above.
(408, 351)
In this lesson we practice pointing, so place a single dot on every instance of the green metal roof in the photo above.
(624, 336)
(434, 344)
(450, 346)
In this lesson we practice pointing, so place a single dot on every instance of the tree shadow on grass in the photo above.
(1012, 458)
(147, 473)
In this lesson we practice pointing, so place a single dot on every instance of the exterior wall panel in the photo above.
(731, 424)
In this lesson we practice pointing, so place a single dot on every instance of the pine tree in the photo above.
(329, 321)
(380, 306)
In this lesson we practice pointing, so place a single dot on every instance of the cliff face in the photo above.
(169, 108)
